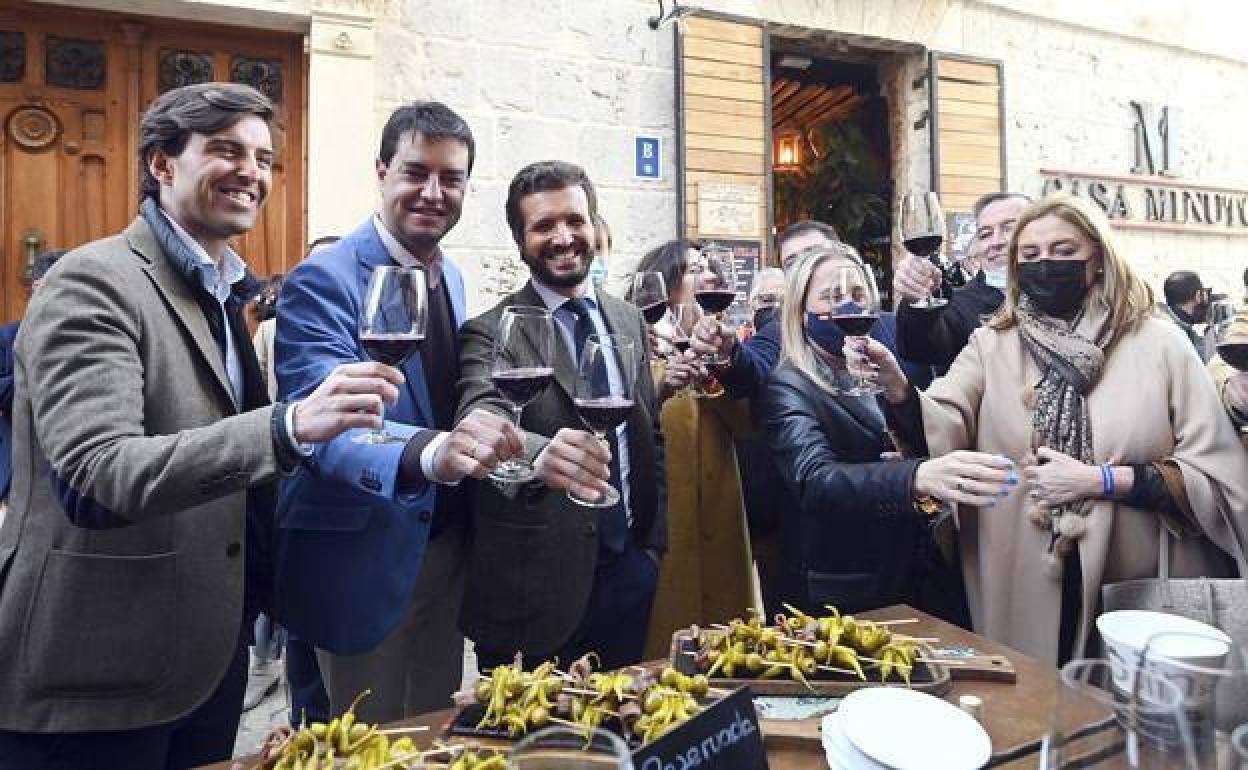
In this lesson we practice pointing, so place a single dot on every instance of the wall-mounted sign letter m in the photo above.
(1152, 140)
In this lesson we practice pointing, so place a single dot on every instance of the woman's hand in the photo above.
(682, 371)
(1058, 479)
(965, 477)
(868, 359)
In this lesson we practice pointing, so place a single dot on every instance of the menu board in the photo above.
(746, 256)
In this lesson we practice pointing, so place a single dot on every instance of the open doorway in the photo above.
(832, 160)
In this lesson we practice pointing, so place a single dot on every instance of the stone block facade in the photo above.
(536, 80)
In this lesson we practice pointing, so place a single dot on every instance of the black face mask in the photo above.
(1057, 286)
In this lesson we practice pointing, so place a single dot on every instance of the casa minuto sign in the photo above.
(1152, 197)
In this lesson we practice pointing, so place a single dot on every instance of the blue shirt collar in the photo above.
(554, 300)
(217, 281)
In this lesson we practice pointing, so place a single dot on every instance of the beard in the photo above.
(539, 267)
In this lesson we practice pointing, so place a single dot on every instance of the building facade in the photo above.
(1137, 105)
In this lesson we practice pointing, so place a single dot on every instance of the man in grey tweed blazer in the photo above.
(143, 448)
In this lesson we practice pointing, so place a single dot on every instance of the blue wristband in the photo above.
(1107, 480)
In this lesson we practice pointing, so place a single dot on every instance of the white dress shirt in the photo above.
(218, 281)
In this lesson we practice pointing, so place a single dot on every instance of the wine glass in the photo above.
(679, 340)
(523, 352)
(855, 307)
(604, 394)
(563, 748)
(650, 294)
(715, 288)
(923, 232)
(392, 324)
(1098, 725)
(1210, 671)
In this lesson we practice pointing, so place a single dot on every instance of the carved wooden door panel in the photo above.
(179, 55)
(73, 85)
(63, 150)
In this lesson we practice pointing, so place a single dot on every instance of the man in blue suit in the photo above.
(370, 536)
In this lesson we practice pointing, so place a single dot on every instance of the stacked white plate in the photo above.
(894, 728)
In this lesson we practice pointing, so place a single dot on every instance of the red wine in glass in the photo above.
(605, 413)
(391, 349)
(855, 325)
(924, 245)
(521, 386)
(715, 300)
(654, 313)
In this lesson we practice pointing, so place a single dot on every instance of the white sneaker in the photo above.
(262, 679)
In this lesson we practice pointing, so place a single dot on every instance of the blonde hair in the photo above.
(795, 346)
(1128, 297)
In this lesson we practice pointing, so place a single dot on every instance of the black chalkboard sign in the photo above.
(724, 737)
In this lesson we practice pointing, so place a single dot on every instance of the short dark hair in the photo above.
(670, 258)
(1182, 286)
(44, 262)
(988, 199)
(545, 176)
(806, 226)
(203, 108)
(433, 121)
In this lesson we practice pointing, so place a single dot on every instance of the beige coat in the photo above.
(1153, 400)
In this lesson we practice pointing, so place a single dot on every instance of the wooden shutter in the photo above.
(968, 129)
(725, 137)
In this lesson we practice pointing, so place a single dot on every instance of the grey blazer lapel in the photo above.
(177, 295)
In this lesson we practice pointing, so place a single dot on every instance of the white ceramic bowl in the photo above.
(1187, 642)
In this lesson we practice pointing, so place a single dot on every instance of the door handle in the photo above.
(32, 242)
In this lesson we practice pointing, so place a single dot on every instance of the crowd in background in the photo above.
(191, 474)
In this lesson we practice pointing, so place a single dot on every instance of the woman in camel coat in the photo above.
(1114, 423)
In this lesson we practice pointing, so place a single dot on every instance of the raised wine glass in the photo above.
(923, 232)
(679, 340)
(605, 383)
(715, 288)
(855, 307)
(523, 356)
(392, 324)
(650, 294)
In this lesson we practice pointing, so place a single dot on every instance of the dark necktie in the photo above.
(613, 521)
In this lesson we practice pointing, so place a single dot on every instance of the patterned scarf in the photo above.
(1070, 364)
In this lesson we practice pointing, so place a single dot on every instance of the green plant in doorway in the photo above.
(840, 181)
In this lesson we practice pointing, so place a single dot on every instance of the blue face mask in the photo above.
(824, 332)
(764, 316)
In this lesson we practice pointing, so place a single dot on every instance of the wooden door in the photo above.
(63, 151)
(968, 129)
(73, 86)
(725, 138)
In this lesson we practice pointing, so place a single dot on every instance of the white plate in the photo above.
(907, 730)
(840, 753)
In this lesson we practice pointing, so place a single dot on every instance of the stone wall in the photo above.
(539, 79)
(1068, 94)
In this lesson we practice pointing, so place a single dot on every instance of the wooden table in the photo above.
(1014, 714)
